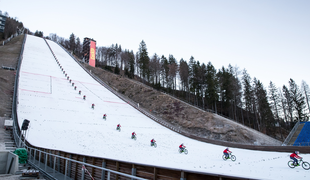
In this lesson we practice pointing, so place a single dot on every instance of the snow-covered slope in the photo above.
(61, 119)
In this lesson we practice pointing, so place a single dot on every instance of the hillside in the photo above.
(181, 115)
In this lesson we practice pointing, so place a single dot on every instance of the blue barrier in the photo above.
(303, 138)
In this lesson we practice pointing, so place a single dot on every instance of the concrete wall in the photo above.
(8, 162)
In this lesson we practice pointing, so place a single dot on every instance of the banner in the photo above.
(92, 54)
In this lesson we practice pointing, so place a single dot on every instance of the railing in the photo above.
(290, 135)
(301, 144)
(44, 156)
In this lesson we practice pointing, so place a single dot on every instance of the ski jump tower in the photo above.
(89, 51)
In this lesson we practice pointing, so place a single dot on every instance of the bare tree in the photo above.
(275, 102)
(306, 91)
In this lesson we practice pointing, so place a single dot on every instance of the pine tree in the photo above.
(275, 100)
(298, 100)
(72, 42)
(78, 47)
(247, 94)
(184, 73)
(131, 65)
(288, 104)
(144, 61)
(306, 91)
(225, 83)
(164, 71)
(263, 109)
(211, 93)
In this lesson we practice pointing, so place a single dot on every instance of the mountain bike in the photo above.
(230, 156)
(154, 144)
(134, 137)
(303, 164)
(184, 150)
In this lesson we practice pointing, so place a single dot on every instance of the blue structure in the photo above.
(303, 138)
(2, 22)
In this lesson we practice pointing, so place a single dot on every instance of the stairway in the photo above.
(294, 137)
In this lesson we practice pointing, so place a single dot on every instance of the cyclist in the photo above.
(118, 126)
(294, 156)
(152, 142)
(104, 116)
(133, 134)
(226, 153)
(93, 106)
(182, 147)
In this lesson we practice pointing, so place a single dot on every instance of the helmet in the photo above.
(182, 144)
(227, 148)
(296, 152)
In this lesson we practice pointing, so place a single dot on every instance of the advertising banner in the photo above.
(92, 54)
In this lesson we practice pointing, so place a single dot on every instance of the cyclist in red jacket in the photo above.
(133, 134)
(294, 156)
(226, 152)
(152, 142)
(182, 147)
(118, 126)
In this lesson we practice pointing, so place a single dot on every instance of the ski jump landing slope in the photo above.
(60, 119)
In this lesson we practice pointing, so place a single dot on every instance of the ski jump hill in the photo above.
(62, 121)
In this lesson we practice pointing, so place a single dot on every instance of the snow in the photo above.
(61, 119)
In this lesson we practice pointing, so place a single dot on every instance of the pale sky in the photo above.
(270, 39)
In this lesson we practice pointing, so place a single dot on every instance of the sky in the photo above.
(270, 39)
(60, 119)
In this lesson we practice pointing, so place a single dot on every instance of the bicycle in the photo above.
(154, 144)
(183, 150)
(230, 156)
(303, 164)
(134, 137)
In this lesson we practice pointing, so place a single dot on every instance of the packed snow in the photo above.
(61, 119)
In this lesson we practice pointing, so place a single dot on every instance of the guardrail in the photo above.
(301, 144)
(290, 135)
(52, 159)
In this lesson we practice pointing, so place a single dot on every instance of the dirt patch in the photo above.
(9, 54)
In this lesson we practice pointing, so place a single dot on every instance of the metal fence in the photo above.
(290, 135)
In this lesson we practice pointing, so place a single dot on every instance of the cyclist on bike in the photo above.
(118, 126)
(133, 134)
(104, 116)
(294, 156)
(182, 147)
(152, 142)
(226, 153)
